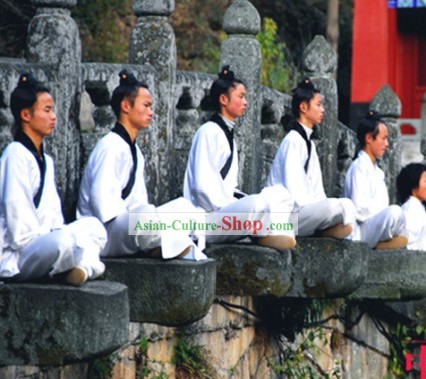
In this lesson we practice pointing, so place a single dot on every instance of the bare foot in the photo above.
(397, 242)
(338, 231)
(280, 242)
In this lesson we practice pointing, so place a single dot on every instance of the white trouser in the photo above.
(325, 214)
(75, 244)
(272, 204)
(383, 226)
(172, 242)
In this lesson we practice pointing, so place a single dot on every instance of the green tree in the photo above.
(277, 72)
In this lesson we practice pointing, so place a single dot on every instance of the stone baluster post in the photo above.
(388, 104)
(320, 63)
(153, 42)
(53, 38)
(241, 51)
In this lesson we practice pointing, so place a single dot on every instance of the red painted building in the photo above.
(389, 46)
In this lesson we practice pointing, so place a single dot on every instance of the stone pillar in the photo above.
(153, 42)
(388, 104)
(241, 51)
(53, 38)
(320, 64)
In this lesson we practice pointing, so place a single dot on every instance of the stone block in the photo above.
(325, 267)
(171, 293)
(52, 324)
(245, 269)
(395, 275)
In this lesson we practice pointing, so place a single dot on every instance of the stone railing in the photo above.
(186, 297)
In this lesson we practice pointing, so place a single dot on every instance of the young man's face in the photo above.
(235, 103)
(420, 191)
(377, 146)
(40, 119)
(313, 112)
(140, 114)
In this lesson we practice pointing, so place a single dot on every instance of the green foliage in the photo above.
(191, 361)
(298, 362)
(400, 336)
(101, 368)
(277, 71)
(143, 363)
(105, 28)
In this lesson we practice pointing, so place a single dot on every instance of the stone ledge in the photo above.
(245, 269)
(53, 324)
(325, 267)
(170, 293)
(395, 275)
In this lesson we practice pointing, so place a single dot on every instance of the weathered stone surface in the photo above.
(55, 3)
(51, 324)
(241, 18)
(171, 293)
(319, 57)
(153, 7)
(388, 104)
(275, 107)
(320, 63)
(249, 270)
(394, 275)
(153, 42)
(324, 267)
(53, 38)
(346, 151)
(365, 349)
(192, 90)
(242, 54)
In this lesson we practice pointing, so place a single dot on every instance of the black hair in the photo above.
(408, 179)
(222, 85)
(24, 96)
(127, 89)
(304, 92)
(369, 125)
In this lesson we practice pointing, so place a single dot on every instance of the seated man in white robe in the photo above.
(211, 175)
(380, 225)
(297, 167)
(113, 183)
(34, 241)
(411, 184)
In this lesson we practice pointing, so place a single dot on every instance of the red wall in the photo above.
(382, 54)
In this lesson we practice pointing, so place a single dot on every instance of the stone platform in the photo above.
(53, 324)
(170, 293)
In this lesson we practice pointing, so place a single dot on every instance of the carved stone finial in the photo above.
(153, 7)
(386, 102)
(319, 57)
(241, 18)
(55, 3)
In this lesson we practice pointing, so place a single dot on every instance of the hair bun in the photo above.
(226, 74)
(127, 78)
(373, 115)
(306, 84)
(28, 81)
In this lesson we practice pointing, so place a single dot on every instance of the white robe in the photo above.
(415, 223)
(205, 187)
(376, 220)
(316, 211)
(35, 241)
(106, 174)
